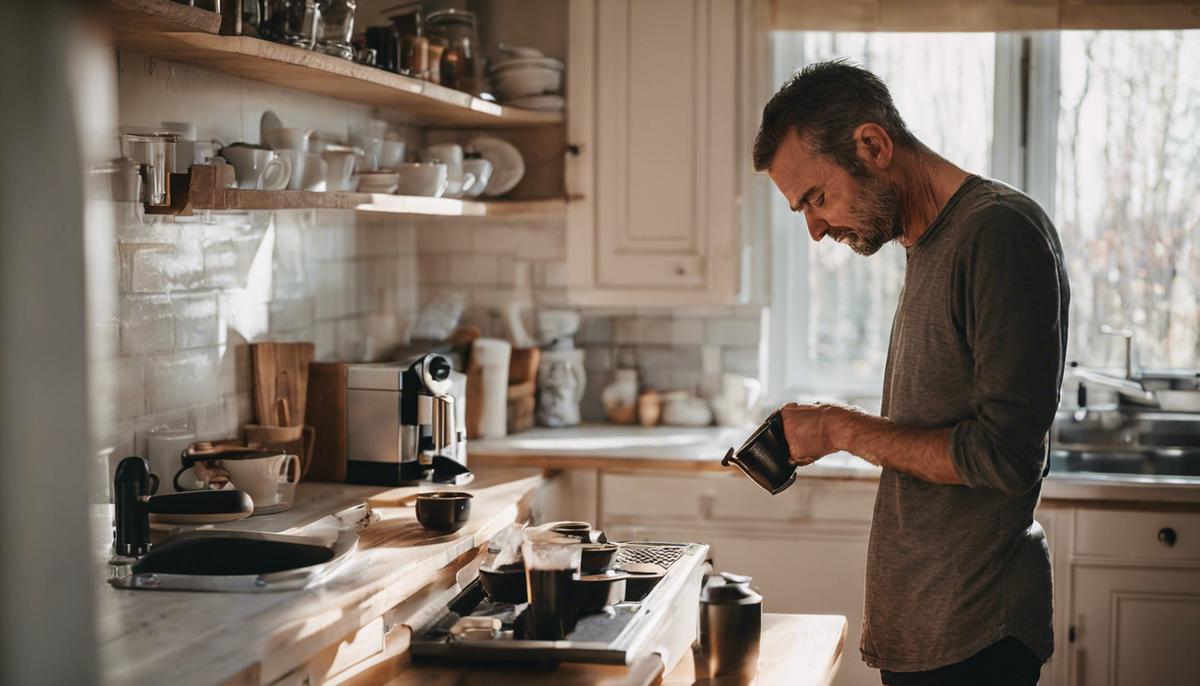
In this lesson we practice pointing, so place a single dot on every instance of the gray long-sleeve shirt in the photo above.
(977, 344)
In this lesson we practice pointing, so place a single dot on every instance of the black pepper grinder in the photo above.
(730, 629)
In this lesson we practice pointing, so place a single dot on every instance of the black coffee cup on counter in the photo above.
(764, 457)
(444, 511)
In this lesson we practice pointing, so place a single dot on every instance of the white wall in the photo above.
(184, 295)
(496, 262)
(47, 581)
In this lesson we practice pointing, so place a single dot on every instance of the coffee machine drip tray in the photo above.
(664, 620)
(442, 470)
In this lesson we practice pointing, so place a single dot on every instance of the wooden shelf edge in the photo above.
(130, 17)
(205, 189)
(171, 31)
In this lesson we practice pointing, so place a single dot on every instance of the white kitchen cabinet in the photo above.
(1134, 587)
(652, 112)
(1126, 604)
(806, 547)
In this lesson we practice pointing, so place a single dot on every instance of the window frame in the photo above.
(1023, 154)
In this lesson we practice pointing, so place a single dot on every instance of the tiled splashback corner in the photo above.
(500, 261)
(190, 292)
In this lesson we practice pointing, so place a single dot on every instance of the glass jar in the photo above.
(460, 65)
(337, 27)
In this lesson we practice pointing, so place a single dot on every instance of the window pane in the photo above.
(942, 84)
(1126, 198)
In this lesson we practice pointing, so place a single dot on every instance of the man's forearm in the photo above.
(923, 453)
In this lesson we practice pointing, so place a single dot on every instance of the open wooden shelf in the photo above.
(204, 189)
(168, 30)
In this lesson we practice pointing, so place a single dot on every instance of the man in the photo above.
(958, 572)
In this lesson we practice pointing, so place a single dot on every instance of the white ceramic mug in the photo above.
(341, 162)
(451, 155)
(481, 169)
(261, 477)
(391, 154)
(316, 173)
(258, 168)
(422, 178)
(296, 158)
(165, 448)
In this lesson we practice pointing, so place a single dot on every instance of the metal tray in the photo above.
(617, 636)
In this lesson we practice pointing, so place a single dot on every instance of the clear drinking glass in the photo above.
(551, 568)
(155, 154)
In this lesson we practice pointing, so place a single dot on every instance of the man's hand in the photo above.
(812, 431)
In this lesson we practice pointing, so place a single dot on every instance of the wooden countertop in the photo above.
(796, 650)
(204, 638)
(616, 448)
(658, 448)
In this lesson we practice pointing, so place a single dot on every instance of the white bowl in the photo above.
(523, 82)
(519, 62)
(422, 178)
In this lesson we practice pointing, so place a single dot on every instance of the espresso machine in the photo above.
(406, 423)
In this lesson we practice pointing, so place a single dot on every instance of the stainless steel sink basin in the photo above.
(1165, 462)
(238, 561)
(1125, 430)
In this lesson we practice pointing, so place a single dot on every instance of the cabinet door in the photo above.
(1135, 626)
(652, 107)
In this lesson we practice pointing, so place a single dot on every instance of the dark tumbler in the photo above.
(764, 457)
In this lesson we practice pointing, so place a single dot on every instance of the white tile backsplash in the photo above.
(685, 347)
(189, 293)
(187, 305)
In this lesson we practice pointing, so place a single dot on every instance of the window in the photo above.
(833, 321)
(1128, 192)
(1098, 126)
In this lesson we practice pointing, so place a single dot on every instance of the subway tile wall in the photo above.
(190, 292)
(508, 260)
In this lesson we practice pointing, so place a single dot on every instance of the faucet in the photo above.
(134, 502)
(1127, 334)
(131, 491)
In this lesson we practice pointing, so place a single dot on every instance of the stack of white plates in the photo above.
(524, 78)
(377, 182)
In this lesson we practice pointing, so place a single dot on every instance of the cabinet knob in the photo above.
(1167, 537)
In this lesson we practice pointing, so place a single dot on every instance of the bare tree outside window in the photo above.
(1128, 192)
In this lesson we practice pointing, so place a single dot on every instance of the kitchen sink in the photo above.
(1124, 441)
(1166, 462)
(238, 561)
(1118, 429)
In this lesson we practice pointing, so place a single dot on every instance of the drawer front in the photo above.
(1157, 536)
(720, 497)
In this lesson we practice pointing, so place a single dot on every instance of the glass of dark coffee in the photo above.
(551, 567)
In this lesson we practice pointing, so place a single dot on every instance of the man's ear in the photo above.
(874, 145)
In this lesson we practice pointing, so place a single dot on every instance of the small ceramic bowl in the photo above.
(597, 557)
(580, 530)
(505, 584)
(444, 511)
(594, 592)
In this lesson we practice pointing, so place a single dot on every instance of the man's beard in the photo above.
(877, 215)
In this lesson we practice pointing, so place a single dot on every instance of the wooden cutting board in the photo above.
(327, 414)
(279, 370)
